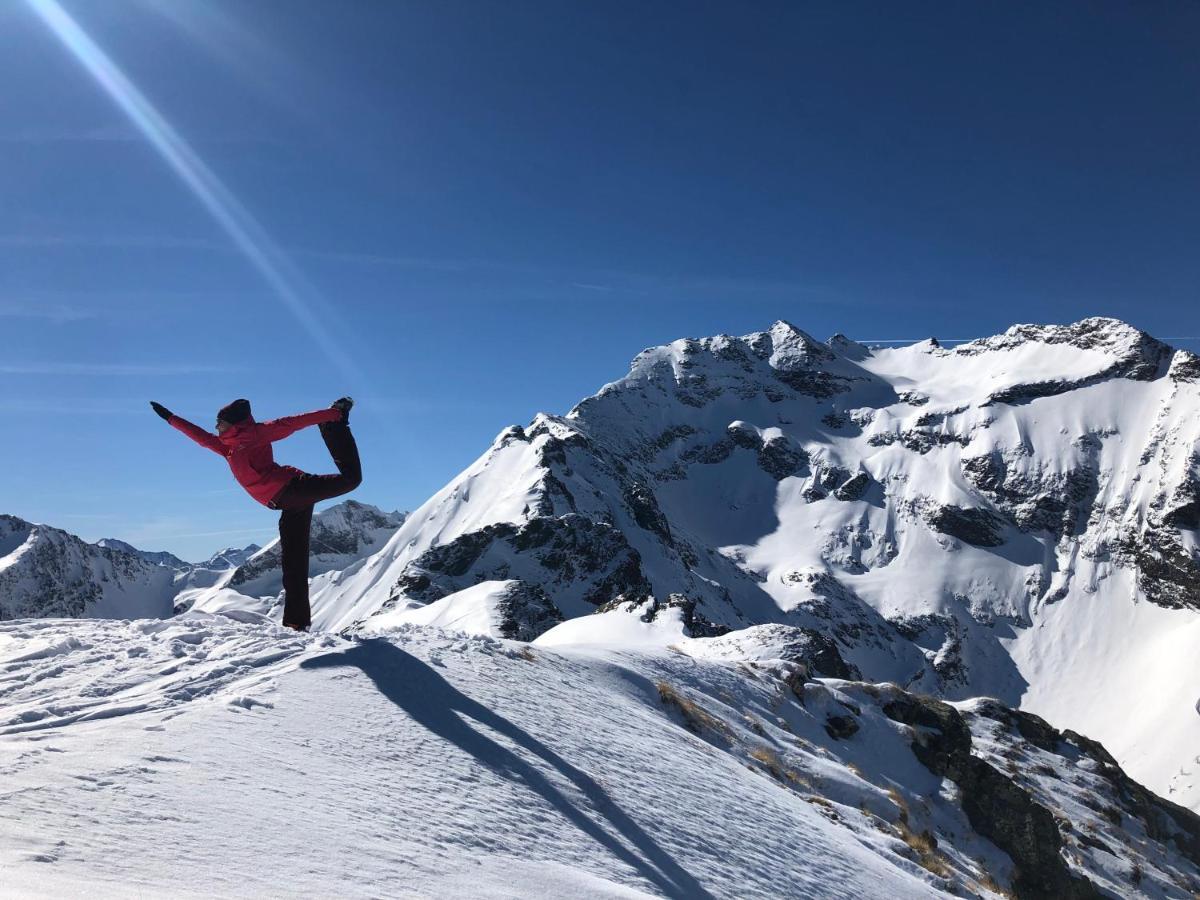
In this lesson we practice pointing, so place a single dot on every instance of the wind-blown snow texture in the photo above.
(423, 763)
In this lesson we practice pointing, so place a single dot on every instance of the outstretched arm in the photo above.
(278, 429)
(195, 432)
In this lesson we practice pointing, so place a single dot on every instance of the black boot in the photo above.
(344, 405)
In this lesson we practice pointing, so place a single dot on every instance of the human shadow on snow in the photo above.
(433, 702)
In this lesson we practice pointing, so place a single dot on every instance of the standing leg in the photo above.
(293, 547)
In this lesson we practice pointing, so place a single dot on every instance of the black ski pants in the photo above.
(296, 502)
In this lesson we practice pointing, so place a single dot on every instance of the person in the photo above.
(246, 446)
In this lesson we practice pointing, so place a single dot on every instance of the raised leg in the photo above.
(344, 450)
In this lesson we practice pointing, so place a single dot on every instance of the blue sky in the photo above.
(480, 210)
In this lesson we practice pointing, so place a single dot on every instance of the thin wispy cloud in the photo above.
(109, 242)
(118, 134)
(105, 134)
(56, 313)
(406, 262)
(968, 340)
(114, 369)
(151, 534)
(564, 277)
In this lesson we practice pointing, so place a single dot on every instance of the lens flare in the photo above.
(262, 252)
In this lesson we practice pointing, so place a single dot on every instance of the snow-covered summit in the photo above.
(229, 557)
(158, 557)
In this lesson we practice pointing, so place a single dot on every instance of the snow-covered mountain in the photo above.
(1014, 517)
(60, 574)
(158, 557)
(340, 536)
(229, 558)
(45, 571)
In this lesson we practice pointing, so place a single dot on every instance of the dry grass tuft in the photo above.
(923, 843)
(896, 797)
(770, 761)
(695, 716)
(988, 882)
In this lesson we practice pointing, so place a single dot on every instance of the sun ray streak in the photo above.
(250, 237)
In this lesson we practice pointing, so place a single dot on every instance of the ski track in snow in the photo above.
(216, 758)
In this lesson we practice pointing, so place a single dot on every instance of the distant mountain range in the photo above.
(47, 572)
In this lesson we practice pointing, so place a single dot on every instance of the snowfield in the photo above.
(215, 758)
(204, 756)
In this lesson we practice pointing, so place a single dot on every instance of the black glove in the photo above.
(161, 410)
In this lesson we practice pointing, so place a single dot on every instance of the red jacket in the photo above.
(247, 448)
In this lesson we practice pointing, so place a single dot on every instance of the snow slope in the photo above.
(426, 763)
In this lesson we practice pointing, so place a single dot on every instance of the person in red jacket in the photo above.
(246, 446)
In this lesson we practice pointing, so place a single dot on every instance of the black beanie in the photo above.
(235, 412)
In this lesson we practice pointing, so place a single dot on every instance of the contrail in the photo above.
(250, 237)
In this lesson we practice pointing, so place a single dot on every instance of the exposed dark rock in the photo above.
(853, 488)
(777, 456)
(781, 459)
(1185, 366)
(511, 434)
(1057, 502)
(1169, 574)
(1164, 821)
(669, 436)
(743, 435)
(841, 728)
(644, 506)
(574, 554)
(913, 398)
(994, 804)
(979, 527)
(924, 441)
(831, 477)
(821, 385)
(695, 390)
(694, 624)
(937, 417)
(1183, 509)
(526, 612)
(554, 496)
(710, 454)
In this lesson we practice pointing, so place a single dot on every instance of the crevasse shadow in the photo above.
(427, 698)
